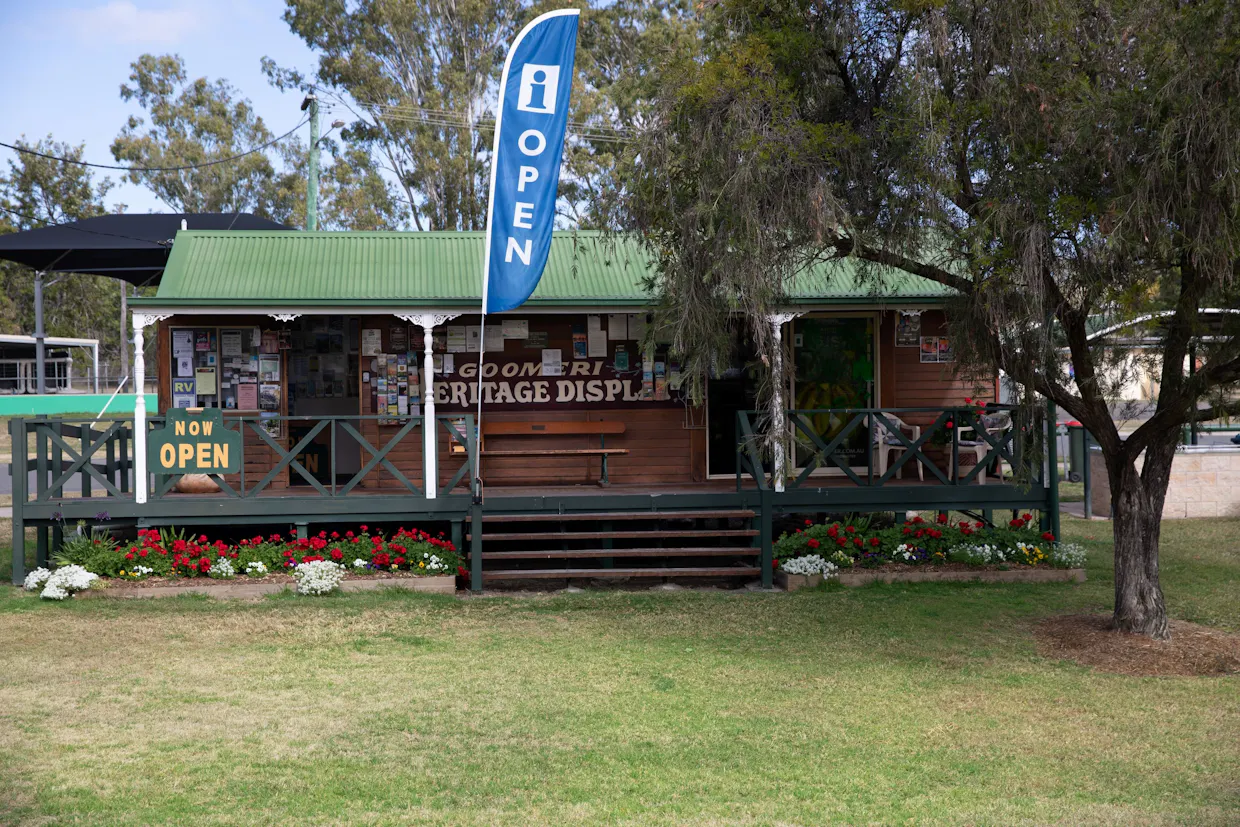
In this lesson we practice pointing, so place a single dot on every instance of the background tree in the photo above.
(36, 192)
(421, 78)
(417, 74)
(194, 123)
(1054, 161)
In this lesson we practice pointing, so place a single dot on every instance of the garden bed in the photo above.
(259, 587)
(857, 553)
(933, 574)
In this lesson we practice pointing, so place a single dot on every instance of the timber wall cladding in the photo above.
(910, 383)
(660, 448)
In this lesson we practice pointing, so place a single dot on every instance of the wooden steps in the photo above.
(702, 571)
(617, 516)
(618, 535)
(620, 552)
(716, 543)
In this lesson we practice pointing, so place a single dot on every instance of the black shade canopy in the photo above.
(131, 247)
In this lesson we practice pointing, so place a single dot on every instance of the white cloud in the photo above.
(121, 21)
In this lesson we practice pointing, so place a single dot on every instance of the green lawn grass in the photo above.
(899, 704)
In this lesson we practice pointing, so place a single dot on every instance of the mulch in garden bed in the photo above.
(1088, 640)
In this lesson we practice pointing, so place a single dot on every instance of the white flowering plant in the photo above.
(35, 580)
(318, 577)
(65, 581)
(222, 569)
(1067, 556)
(256, 568)
(810, 564)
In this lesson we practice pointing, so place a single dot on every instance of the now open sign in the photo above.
(194, 441)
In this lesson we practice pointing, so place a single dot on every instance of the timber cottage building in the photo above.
(348, 362)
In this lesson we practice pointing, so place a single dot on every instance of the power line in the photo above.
(270, 143)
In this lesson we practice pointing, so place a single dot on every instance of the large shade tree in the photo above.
(1054, 161)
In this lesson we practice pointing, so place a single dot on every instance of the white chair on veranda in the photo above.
(995, 425)
(887, 445)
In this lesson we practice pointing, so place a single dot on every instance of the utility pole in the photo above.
(124, 360)
(40, 364)
(312, 183)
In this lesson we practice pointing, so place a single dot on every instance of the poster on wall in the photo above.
(516, 329)
(908, 329)
(398, 337)
(551, 362)
(537, 340)
(936, 349)
(182, 342)
(372, 342)
(204, 380)
(494, 339)
(618, 326)
(456, 339)
(269, 368)
(247, 396)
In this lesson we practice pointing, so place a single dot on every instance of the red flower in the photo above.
(381, 559)
(143, 553)
(364, 528)
(874, 541)
(335, 535)
(808, 522)
(129, 556)
(918, 519)
(851, 529)
(202, 538)
(907, 530)
(1048, 537)
(968, 400)
(349, 534)
(774, 564)
(833, 532)
(1027, 518)
(948, 425)
(799, 531)
(1017, 523)
(841, 542)
(814, 543)
(979, 524)
(942, 518)
(337, 554)
(399, 561)
(857, 542)
(461, 572)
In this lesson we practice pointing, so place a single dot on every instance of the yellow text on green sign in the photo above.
(194, 441)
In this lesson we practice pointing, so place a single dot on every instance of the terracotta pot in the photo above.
(197, 484)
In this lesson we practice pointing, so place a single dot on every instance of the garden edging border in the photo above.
(226, 590)
(852, 579)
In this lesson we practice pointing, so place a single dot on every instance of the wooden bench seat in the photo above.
(600, 429)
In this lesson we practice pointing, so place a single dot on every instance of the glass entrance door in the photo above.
(834, 370)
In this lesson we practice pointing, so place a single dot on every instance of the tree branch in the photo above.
(846, 246)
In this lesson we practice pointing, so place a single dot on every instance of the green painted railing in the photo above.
(879, 425)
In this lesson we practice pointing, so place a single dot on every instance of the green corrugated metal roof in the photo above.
(438, 269)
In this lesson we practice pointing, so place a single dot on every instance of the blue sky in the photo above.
(64, 61)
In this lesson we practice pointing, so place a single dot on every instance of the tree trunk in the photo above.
(1137, 503)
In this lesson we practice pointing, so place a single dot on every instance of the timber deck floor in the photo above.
(583, 489)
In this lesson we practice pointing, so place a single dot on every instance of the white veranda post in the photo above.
(779, 414)
(140, 321)
(430, 434)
